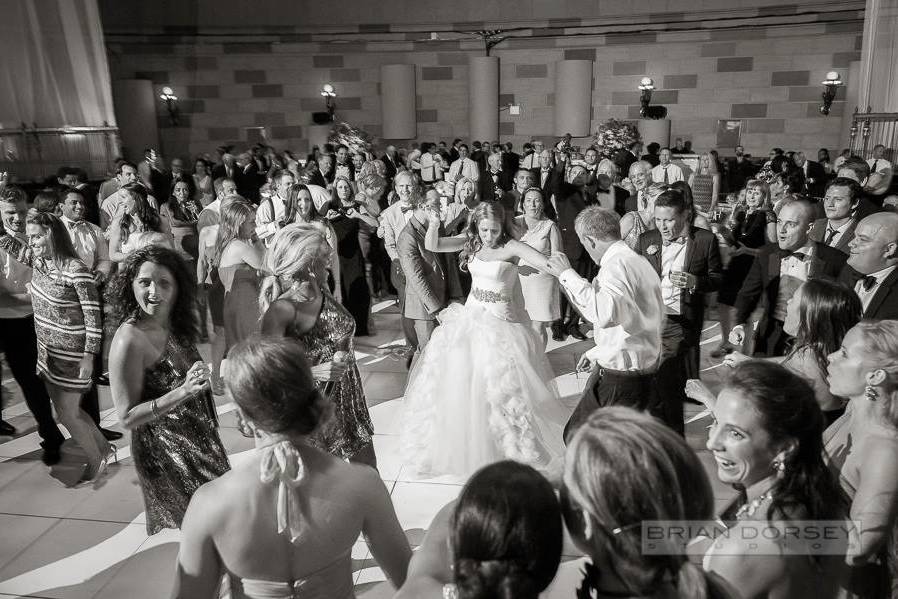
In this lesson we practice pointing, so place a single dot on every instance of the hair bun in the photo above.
(506, 579)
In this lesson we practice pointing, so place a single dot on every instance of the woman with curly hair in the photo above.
(160, 386)
(135, 225)
(500, 539)
(482, 390)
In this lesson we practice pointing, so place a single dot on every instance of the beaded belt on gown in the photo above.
(484, 295)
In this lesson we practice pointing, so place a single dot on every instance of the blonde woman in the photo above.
(238, 258)
(295, 302)
(636, 222)
(705, 184)
(466, 193)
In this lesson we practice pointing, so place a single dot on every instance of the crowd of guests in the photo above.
(284, 257)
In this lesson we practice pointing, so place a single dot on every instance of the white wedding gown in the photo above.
(482, 390)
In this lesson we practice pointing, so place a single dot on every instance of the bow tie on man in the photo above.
(405, 209)
(789, 254)
(680, 240)
(869, 282)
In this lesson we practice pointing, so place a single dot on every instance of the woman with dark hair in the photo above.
(750, 226)
(283, 523)
(500, 539)
(238, 258)
(767, 442)
(179, 215)
(818, 315)
(346, 217)
(482, 389)
(68, 325)
(160, 385)
(295, 302)
(300, 209)
(135, 225)
(862, 450)
(624, 468)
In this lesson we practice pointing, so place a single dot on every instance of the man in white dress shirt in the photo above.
(211, 214)
(463, 167)
(272, 210)
(392, 221)
(873, 262)
(432, 165)
(666, 172)
(625, 306)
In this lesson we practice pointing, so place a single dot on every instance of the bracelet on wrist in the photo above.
(155, 407)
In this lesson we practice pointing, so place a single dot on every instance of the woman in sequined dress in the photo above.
(295, 302)
(159, 385)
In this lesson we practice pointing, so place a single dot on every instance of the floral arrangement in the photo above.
(357, 140)
(614, 135)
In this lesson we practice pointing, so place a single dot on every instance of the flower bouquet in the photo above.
(613, 136)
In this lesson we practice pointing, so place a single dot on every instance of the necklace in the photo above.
(750, 508)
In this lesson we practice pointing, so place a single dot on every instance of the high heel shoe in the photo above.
(102, 468)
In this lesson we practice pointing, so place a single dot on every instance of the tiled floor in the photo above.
(85, 543)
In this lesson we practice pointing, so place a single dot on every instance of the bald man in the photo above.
(778, 270)
(871, 268)
(640, 176)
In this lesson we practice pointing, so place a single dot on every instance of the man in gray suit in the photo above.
(840, 203)
(426, 291)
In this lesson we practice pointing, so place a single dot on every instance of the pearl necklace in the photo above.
(750, 508)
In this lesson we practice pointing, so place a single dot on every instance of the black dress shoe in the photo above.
(111, 435)
(50, 455)
(558, 333)
(6, 429)
(574, 331)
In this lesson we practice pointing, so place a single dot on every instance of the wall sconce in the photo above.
(832, 83)
(513, 109)
(646, 86)
(170, 100)
(327, 90)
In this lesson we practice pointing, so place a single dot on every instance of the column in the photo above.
(483, 97)
(397, 93)
(654, 130)
(573, 97)
(879, 57)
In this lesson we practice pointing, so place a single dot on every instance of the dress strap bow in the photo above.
(281, 461)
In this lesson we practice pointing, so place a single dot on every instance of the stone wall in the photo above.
(763, 68)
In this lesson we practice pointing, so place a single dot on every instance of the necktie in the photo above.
(459, 174)
(830, 233)
(875, 164)
(666, 179)
(869, 282)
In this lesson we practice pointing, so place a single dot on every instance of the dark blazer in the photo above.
(652, 159)
(818, 233)
(702, 260)
(316, 178)
(569, 201)
(553, 181)
(623, 159)
(510, 163)
(426, 292)
(511, 200)
(817, 187)
(391, 167)
(220, 172)
(762, 282)
(884, 304)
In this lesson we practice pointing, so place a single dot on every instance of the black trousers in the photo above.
(19, 345)
(397, 277)
(612, 388)
(587, 269)
(679, 362)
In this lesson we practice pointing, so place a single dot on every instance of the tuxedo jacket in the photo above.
(818, 233)
(316, 178)
(702, 260)
(391, 167)
(763, 279)
(884, 304)
(816, 172)
(553, 181)
(426, 292)
(569, 201)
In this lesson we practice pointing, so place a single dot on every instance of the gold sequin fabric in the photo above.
(349, 430)
(179, 451)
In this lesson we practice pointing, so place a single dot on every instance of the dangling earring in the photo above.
(780, 467)
(870, 393)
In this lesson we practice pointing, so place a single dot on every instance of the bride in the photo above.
(482, 390)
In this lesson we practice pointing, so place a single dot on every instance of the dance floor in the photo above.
(92, 542)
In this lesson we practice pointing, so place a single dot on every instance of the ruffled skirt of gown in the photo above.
(482, 391)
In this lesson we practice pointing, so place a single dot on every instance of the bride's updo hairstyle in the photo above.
(298, 251)
(484, 211)
(271, 381)
(622, 468)
(506, 533)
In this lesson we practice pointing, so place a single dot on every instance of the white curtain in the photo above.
(53, 67)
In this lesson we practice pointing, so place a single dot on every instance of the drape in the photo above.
(53, 66)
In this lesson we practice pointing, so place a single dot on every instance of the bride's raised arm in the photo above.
(524, 252)
(434, 243)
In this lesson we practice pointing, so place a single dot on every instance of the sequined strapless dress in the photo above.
(175, 454)
(349, 430)
(483, 390)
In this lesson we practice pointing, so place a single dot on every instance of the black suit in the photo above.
(316, 178)
(510, 163)
(816, 179)
(219, 171)
(652, 159)
(623, 159)
(682, 332)
(762, 285)
(884, 304)
(554, 179)
(391, 167)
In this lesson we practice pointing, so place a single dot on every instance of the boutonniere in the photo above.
(652, 250)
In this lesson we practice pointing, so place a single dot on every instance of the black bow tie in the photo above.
(869, 282)
(800, 255)
(676, 240)
(405, 209)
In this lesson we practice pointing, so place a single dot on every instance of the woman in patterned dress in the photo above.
(295, 302)
(159, 385)
(705, 184)
(68, 324)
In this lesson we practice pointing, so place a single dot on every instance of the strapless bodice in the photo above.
(495, 286)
